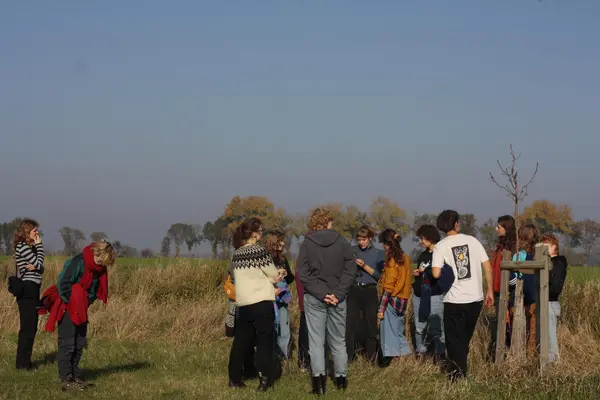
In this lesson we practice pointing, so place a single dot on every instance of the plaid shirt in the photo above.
(399, 305)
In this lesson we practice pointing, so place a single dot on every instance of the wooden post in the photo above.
(502, 311)
(543, 304)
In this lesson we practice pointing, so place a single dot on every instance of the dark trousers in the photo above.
(255, 324)
(459, 325)
(363, 303)
(71, 342)
(303, 356)
(28, 317)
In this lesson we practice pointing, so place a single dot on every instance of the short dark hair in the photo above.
(447, 220)
(365, 231)
(429, 233)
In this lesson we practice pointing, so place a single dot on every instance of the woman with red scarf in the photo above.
(83, 280)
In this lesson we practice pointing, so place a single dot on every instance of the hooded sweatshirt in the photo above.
(326, 264)
(557, 276)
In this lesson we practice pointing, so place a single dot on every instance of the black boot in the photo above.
(236, 385)
(264, 384)
(318, 384)
(341, 382)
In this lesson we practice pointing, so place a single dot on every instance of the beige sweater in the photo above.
(253, 275)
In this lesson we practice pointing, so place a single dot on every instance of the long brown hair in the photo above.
(509, 240)
(22, 234)
(392, 239)
(529, 236)
(271, 243)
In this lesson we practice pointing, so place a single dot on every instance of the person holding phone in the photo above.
(29, 258)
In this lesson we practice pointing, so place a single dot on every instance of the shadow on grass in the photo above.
(92, 374)
(49, 358)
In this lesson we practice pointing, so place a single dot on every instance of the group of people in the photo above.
(354, 298)
(82, 280)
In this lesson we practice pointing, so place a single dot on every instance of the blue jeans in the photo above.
(283, 336)
(324, 320)
(432, 330)
(391, 334)
(554, 314)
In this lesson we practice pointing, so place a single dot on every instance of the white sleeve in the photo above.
(437, 259)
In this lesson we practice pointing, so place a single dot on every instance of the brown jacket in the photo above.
(396, 279)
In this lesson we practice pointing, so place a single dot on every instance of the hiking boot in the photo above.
(264, 384)
(236, 385)
(341, 382)
(70, 386)
(318, 384)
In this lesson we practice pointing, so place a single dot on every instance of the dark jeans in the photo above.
(363, 303)
(71, 342)
(28, 317)
(459, 325)
(303, 356)
(255, 324)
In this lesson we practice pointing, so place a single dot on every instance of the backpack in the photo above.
(229, 288)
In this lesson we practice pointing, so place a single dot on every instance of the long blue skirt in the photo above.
(391, 334)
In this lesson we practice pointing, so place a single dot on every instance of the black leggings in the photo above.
(27, 302)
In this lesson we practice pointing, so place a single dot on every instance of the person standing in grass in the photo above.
(275, 244)
(429, 321)
(463, 302)
(507, 240)
(394, 291)
(29, 259)
(327, 269)
(83, 279)
(362, 298)
(529, 236)
(254, 276)
(558, 274)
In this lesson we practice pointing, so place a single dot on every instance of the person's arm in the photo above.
(378, 267)
(268, 266)
(66, 278)
(34, 259)
(385, 298)
(557, 276)
(311, 283)
(437, 262)
(289, 278)
(489, 276)
(348, 275)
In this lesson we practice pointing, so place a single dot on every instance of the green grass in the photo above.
(122, 369)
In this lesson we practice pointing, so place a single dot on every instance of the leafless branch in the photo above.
(523, 192)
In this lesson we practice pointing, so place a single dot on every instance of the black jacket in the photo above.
(558, 274)
(326, 264)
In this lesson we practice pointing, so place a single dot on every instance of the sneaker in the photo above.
(82, 383)
(70, 386)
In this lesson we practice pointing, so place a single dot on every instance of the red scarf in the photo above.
(78, 302)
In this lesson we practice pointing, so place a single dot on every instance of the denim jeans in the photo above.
(391, 334)
(554, 314)
(326, 321)
(283, 336)
(430, 332)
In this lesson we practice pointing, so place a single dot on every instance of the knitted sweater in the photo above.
(253, 274)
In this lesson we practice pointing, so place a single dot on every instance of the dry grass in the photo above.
(168, 313)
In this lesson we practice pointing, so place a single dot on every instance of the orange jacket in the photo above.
(396, 279)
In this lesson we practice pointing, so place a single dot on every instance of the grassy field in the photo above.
(161, 336)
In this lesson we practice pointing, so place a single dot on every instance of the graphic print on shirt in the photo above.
(425, 264)
(462, 261)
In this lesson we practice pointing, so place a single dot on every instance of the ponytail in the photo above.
(245, 231)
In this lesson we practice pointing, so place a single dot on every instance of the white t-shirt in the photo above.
(465, 254)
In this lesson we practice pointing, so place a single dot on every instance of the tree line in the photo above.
(383, 213)
(580, 239)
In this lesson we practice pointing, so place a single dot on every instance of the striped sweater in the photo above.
(26, 255)
(253, 275)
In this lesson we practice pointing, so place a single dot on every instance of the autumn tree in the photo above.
(98, 236)
(549, 217)
(468, 224)
(585, 234)
(387, 214)
(72, 238)
(487, 231)
(177, 234)
(165, 246)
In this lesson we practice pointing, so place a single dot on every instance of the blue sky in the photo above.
(125, 118)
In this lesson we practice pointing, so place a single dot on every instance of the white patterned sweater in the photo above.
(253, 273)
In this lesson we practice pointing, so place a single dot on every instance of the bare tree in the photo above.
(514, 191)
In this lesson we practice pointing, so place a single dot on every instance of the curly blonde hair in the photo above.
(105, 252)
(319, 219)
